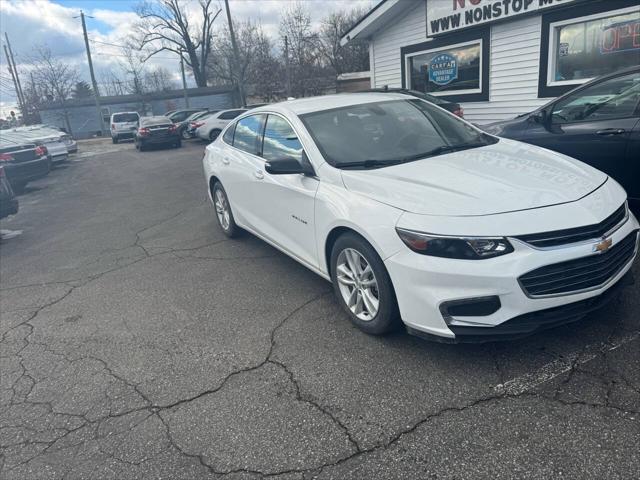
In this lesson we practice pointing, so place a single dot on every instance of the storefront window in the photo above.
(452, 70)
(587, 49)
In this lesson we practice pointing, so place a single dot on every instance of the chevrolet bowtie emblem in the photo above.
(603, 246)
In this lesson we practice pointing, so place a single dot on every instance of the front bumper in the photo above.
(423, 284)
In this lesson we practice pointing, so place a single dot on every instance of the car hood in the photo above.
(504, 177)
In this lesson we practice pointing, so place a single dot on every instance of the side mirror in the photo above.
(539, 117)
(288, 166)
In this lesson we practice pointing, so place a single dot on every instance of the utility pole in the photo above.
(13, 78)
(12, 61)
(236, 56)
(286, 64)
(94, 84)
(184, 81)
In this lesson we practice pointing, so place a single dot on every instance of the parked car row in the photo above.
(26, 154)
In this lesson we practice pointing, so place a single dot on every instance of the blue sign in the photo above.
(443, 69)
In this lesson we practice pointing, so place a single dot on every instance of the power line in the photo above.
(127, 56)
(124, 46)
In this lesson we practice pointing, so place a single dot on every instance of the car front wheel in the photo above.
(223, 211)
(363, 286)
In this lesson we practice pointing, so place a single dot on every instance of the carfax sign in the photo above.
(444, 16)
(443, 69)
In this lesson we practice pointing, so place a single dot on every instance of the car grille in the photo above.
(573, 235)
(580, 274)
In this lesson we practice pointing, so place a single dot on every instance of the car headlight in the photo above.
(465, 248)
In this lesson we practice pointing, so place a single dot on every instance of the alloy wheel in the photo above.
(222, 209)
(358, 284)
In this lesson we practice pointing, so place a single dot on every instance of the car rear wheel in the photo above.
(114, 139)
(363, 286)
(214, 134)
(223, 211)
(185, 134)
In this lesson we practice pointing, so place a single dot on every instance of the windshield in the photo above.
(387, 132)
(125, 117)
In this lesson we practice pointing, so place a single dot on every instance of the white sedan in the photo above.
(419, 218)
(211, 125)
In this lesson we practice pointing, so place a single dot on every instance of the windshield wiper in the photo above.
(369, 163)
(431, 153)
(443, 149)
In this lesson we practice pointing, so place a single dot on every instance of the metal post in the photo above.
(184, 81)
(94, 84)
(286, 63)
(15, 84)
(236, 57)
(12, 61)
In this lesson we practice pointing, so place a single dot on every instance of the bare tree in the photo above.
(350, 58)
(133, 65)
(296, 31)
(259, 70)
(111, 84)
(158, 80)
(266, 71)
(164, 25)
(220, 64)
(55, 77)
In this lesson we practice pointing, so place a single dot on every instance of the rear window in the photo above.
(125, 117)
(231, 114)
(155, 121)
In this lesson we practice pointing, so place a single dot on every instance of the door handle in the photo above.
(258, 174)
(611, 131)
(225, 160)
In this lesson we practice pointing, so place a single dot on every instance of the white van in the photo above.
(124, 125)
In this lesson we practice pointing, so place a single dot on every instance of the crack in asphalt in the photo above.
(502, 391)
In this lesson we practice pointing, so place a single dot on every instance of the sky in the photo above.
(35, 22)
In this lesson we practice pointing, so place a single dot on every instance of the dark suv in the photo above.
(598, 123)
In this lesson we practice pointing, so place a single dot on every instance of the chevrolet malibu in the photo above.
(419, 218)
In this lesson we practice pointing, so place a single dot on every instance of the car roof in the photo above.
(126, 113)
(327, 102)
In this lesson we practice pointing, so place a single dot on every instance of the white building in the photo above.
(498, 58)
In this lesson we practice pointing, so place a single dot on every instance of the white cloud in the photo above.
(32, 22)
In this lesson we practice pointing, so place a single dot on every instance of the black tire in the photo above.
(141, 147)
(232, 230)
(185, 134)
(178, 144)
(114, 139)
(213, 134)
(387, 317)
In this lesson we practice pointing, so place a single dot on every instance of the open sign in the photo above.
(620, 37)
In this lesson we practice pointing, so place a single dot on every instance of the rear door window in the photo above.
(231, 114)
(248, 134)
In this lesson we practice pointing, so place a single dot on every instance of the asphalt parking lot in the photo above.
(139, 342)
